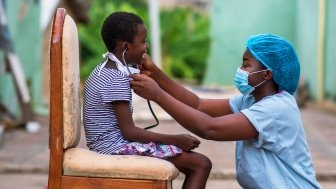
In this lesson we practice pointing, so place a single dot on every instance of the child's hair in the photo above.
(119, 26)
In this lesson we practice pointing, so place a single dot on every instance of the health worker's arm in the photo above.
(228, 127)
(213, 107)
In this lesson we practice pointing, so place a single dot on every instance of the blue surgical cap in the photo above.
(278, 55)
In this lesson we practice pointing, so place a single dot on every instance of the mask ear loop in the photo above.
(148, 102)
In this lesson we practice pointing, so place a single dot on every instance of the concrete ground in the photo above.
(39, 181)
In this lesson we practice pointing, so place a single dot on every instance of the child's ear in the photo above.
(125, 46)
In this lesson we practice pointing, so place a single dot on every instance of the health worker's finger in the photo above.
(136, 77)
(145, 55)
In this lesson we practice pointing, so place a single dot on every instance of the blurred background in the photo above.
(198, 42)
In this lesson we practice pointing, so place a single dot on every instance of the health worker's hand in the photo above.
(145, 86)
(187, 142)
(147, 66)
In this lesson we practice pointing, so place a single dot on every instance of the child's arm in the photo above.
(133, 133)
(213, 107)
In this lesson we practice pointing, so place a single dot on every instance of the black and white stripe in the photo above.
(101, 127)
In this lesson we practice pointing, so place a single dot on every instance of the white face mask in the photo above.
(123, 68)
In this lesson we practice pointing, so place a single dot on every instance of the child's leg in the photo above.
(196, 168)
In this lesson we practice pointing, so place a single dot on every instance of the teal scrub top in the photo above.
(279, 157)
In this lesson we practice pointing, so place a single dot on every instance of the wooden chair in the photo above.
(79, 168)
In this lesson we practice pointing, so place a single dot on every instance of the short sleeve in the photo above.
(118, 89)
(235, 101)
(262, 117)
(240, 102)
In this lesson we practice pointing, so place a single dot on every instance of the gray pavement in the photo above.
(24, 156)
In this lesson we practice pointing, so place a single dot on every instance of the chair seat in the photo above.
(83, 162)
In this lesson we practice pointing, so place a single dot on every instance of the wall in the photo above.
(316, 39)
(307, 29)
(232, 22)
(330, 52)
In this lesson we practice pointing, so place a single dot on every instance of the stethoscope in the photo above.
(121, 67)
(148, 101)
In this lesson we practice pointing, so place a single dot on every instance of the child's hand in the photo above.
(187, 142)
(148, 66)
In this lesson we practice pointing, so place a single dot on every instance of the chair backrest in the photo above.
(71, 84)
(64, 90)
(64, 78)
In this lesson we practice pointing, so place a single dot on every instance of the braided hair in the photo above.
(119, 26)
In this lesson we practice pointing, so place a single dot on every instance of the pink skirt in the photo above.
(152, 149)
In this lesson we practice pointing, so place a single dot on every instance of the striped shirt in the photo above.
(102, 131)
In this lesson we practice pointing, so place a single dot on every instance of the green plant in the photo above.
(185, 40)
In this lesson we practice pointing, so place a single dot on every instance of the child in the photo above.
(271, 147)
(108, 122)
